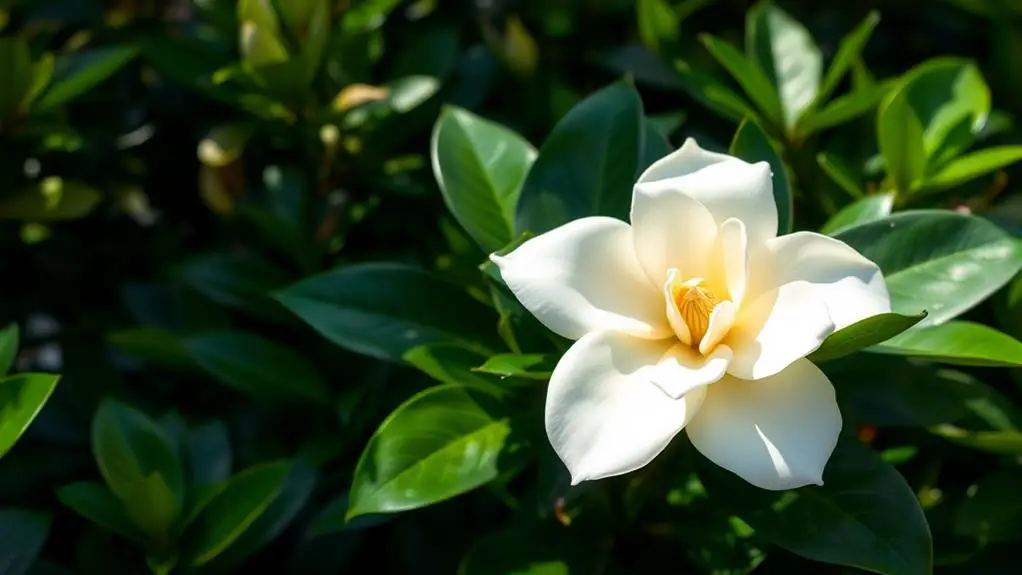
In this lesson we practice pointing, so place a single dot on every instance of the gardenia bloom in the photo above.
(696, 317)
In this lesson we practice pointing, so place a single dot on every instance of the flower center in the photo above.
(695, 304)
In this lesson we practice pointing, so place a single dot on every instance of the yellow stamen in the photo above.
(695, 305)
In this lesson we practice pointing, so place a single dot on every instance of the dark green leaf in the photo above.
(958, 343)
(153, 344)
(539, 549)
(658, 23)
(22, 534)
(238, 280)
(753, 80)
(76, 74)
(842, 175)
(970, 167)
(480, 167)
(384, 309)
(587, 166)
(863, 334)
(654, 147)
(900, 135)
(937, 261)
(753, 145)
(440, 443)
(209, 454)
(863, 211)
(255, 365)
(452, 363)
(95, 502)
(530, 366)
(848, 52)
(22, 396)
(15, 74)
(50, 199)
(991, 512)
(841, 110)
(713, 94)
(8, 347)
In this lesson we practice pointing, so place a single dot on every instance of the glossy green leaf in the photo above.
(241, 281)
(863, 334)
(970, 167)
(587, 166)
(22, 534)
(50, 199)
(8, 347)
(753, 145)
(864, 515)
(900, 135)
(752, 79)
(842, 175)
(862, 211)
(22, 396)
(77, 73)
(255, 365)
(384, 309)
(480, 167)
(939, 261)
(440, 443)
(959, 343)
(244, 498)
(659, 25)
(847, 53)
(843, 109)
(785, 50)
(534, 549)
(528, 366)
(209, 454)
(96, 503)
(140, 466)
(714, 94)
(452, 363)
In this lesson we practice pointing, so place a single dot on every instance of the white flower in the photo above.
(695, 316)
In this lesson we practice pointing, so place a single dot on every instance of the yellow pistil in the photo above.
(695, 304)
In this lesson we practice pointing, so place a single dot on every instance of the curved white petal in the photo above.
(776, 433)
(777, 328)
(604, 415)
(733, 251)
(722, 319)
(851, 286)
(583, 277)
(672, 231)
(727, 186)
(674, 318)
(682, 369)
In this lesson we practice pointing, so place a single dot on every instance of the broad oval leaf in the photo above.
(937, 261)
(713, 94)
(440, 443)
(863, 211)
(383, 310)
(900, 136)
(958, 343)
(480, 167)
(970, 167)
(863, 334)
(255, 365)
(22, 534)
(753, 145)
(77, 73)
(50, 199)
(233, 510)
(96, 503)
(990, 512)
(587, 166)
(8, 347)
(22, 396)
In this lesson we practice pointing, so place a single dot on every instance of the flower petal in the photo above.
(851, 286)
(776, 433)
(776, 329)
(672, 230)
(727, 186)
(583, 277)
(722, 319)
(682, 369)
(733, 253)
(673, 314)
(604, 415)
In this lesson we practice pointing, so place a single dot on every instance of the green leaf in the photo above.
(970, 167)
(8, 347)
(77, 73)
(863, 334)
(658, 23)
(958, 343)
(50, 199)
(900, 135)
(999, 442)
(209, 454)
(847, 53)
(785, 50)
(22, 534)
(534, 549)
(95, 502)
(330, 518)
(991, 512)
(440, 443)
(480, 167)
(752, 79)
(843, 109)
(863, 516)
(842, 175)
(233, 510)
(152, 344)
(863, 211)
(654, 147)
(140, 466)
(241, 281)
(753, 145)
(713, 94)
(452, 363)
(529, 366)
(255, 365)
(587, 166)
(22, 396)
(383, 310)
(15, 75)
(939, 261)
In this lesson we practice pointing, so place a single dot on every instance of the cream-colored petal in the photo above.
(776, 433)
(604, 414)
(733, 251)
(851, 286)
(583, 277)
(722, 319)
(674, 318)
(672, 230)
(776, 329)
(682, 369)
(727, 186)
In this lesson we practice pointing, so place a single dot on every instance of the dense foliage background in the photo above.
(193, 194)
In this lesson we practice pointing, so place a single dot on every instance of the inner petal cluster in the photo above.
(698, 311)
